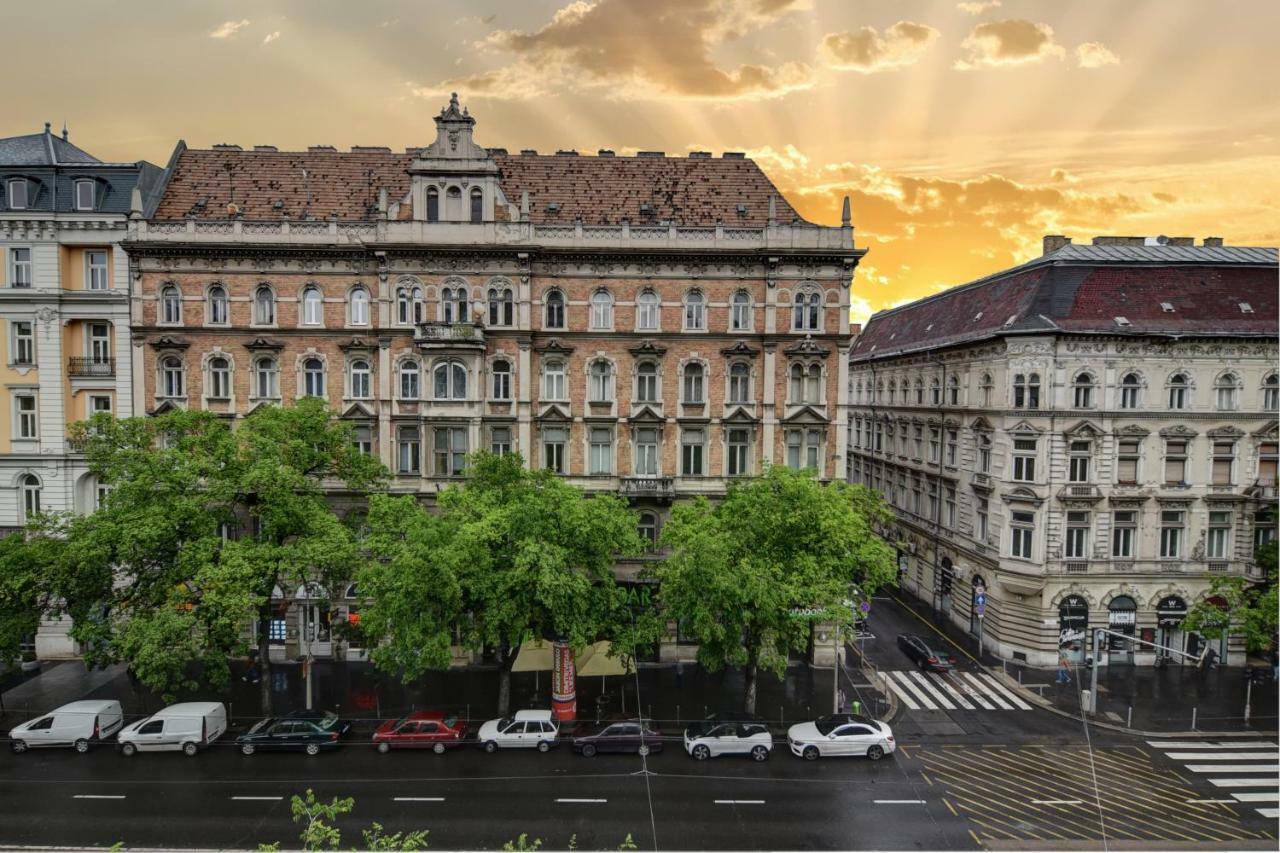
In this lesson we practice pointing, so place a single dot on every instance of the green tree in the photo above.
(317, 833)
(1251, 606)
(738, 570)
(523, 844)
(376, 839)
(20, 598)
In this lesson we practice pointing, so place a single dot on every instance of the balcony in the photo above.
(95, 368)
(439, 335)
(1079, 492)
(654, 488)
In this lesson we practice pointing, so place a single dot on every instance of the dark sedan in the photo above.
(309, 731)
(633, 736)
(926, 655)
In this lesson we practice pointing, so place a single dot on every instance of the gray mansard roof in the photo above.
(51, 164)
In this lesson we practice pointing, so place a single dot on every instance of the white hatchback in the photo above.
(529, 729)
(840, 734)
(708, 739)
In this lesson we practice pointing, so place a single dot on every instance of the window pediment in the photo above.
(264, 344)
(740, 348)
(648, 347)
(1225, 432)
(554, 412)
(1134, 430)
(806, 414)
(169, 342)
(1083, 428)
(553, 345)
(740, 414)
(646, 414)
(1023, 426)
(1179, 430)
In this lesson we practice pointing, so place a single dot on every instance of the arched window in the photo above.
(797, 384)
(877, 395)
(172, 377)
(740, 316)
(218, 305)
(361, 386)
(648, 529)
(266, 379)
(30, 496)
(1082, 391)
(450, 380)
(553, 381)
(1026, 391)
(403, 306)
(433, 204)
(1179, 392)
(409, 380)
(893, 390)
(695, 310)
(739, 382)
(693, 383)
(601, 384)
(170, 304)
(312, 306)
(453, 204)
(313, 377)
(935, 391)
(419, 304)
(1271, 392)
(453, 305)
(219, 378)
(601, 310)
(1130, 389)
(919, 391)
(647, 311)
(502, 379)
(806, 311)
(501, 306)
(1227, 392)
(555, 309)
(477, 205)
(359, 307)
(953, 391)
(264, 306)
(647, 382)
(984, 386)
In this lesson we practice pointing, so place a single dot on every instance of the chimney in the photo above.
(1181, 241)
(651, 154)
(1122, 241)
(605, 152)
(315, 148)
(268, 148)
(382, 200)
(773, 210)
(226, 146)
(1213, 242)
(699, 155)
(135, 203)
(1054, 242)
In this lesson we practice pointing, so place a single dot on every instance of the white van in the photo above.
(77, 724)
(188, 726)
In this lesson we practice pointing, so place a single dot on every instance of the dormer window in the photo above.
(85, 195)
(18, 194)
(433, 204)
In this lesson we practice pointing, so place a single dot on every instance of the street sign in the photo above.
(865, 607)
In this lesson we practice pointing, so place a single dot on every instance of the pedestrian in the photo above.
(679, 674)
(841, 701)
(1275, 665)
(1064, 667)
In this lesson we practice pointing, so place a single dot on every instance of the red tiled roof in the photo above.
(597, 190)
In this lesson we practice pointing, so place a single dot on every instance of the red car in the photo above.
(433, 729)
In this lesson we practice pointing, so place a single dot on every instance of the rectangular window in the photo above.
(1077, 541)
(1175, 461)
(1224, 457)
(553, 442)
(1219, 535)
(1022, 531)
(1267, 458)
(795, 449)
(692, 442)
(362, 439)
(918, 440)
(879, 437)
(601, 451)
(28, 427)
(99, 403)
(95, 270)
(647, 452)
(500, 441)
(984, 454)
(953, 442)
(84, 195)
(408, 451)
(19, 267)
(949, 508)
(1171, 530)
(933, 501)
(24, 343)
(1024, 460)
(739, 452)
(934, 448)
(984, 520)
(1078, 465)
(1124, 533)
(450, 446)
(1127, 461)
(18, 194)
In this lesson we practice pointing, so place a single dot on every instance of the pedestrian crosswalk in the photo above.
(952, 691)
(1246, 770)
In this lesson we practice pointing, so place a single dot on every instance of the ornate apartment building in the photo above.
(648, 326)
(64, 320)
(1090, 437)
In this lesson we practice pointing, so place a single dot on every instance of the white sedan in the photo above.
(840, 734)
(704, 740)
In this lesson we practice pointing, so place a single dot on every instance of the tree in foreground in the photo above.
(1251, 607)
(784, 542)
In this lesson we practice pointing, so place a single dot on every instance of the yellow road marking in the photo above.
(939, 631)
(926, 778)
(951, 807)
(974, 835)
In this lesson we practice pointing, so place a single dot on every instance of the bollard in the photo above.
(1193, 718)
(1128, 723)
(1019, 677)
(677, 715)
(782, 717)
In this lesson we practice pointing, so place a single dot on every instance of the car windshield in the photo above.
(502, 725)
(826, 725)
(260, 725)
(450, 721)
(328, 721)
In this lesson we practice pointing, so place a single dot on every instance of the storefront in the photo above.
(1170, 611)
(1073, 626)
(1196, 643)
(1122, 618)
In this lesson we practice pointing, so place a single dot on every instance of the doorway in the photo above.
(315, 630)
(1122, 618)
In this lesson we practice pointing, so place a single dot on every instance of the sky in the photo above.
(962, 131)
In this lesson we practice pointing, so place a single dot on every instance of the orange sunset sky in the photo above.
(963, 131)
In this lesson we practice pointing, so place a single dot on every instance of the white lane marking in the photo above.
(739, 802)
(99, 797)
(1234, 768)
(1210, 802)
(1243, 782)
(982, 688)
(418, 799)
(905, 680)
(893, 685)
(578, 800)
(1195, 744)
(951, 691)
(1259, 797)
(1002, 690)
(258, 798)
(1219, 756)
(1272, 813)
(897, 802)
(933, 691)
(1057, 802)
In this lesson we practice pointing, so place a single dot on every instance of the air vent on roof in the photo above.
(532, 152)
(1013, 318)
(1246, 308)
(321, 148)
(646, 209)
(929, 328)
(651, 154)
(742, 210)
(1166, 307)
(201, 203)
(226, 146)
(894, 335)
(278, 204)
(566, 152)
(370, 149)
(1123, 321)
(733, 155)
(978, 316)
(873, 348)
(553, 207)
(700, 155)
(495, 152)
(605, 152)
(270, 148)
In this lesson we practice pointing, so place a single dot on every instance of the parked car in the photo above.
(926, 654)
(721, 735)
(841, 734)
(77, 724)
(433, 730)
(526, 729)
(618, 735)
(187, 726)
(310, 731)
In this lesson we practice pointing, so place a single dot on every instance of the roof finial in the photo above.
(64, 130)
(845, 218)
(47, 125)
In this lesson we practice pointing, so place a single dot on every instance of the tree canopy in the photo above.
(1251, 607)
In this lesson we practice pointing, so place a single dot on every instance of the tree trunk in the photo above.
(264, 658)
(753, 672)
(505, 660)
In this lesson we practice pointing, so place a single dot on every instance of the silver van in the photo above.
(78, 724)
(187, 726)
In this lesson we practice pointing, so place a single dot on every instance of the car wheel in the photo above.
(490, 746)
(384, 747)
(246, 749)
(589, 749)
(127, 749)
(189, 749)
(875, 753)
(313, 749)
(701, 752)
(82, 745)
(543, 746)
(18, 746)
(810, 753)
(760, 753)
(438, 749)
(643, 750)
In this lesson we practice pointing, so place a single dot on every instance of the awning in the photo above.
(535, 656)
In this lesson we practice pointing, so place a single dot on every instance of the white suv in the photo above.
(715, 737)
(525, 729)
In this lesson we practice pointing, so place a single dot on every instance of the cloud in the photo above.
(977, 8)
(228, 29)
(1093, 54)
(868, 51)
(271, 37)
(657, 49)
(1010, 42)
